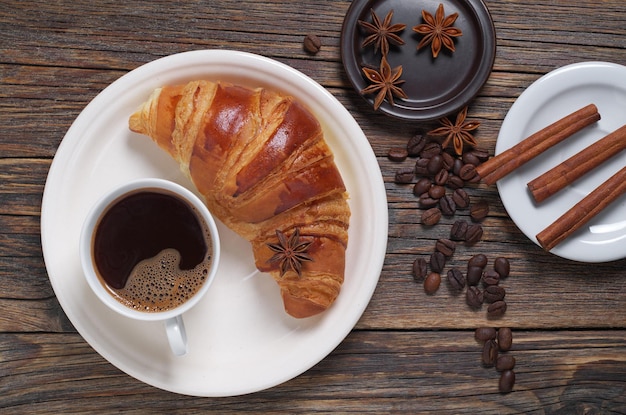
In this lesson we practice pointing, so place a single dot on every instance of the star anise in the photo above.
(438, 30)
(290, 252)
(457, 133)
(382, 34)
(386, 82)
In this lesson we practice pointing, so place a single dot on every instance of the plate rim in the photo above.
(462, 99)
(377, 189)
(552, 78)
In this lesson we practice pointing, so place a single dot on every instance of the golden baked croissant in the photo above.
(260, 160)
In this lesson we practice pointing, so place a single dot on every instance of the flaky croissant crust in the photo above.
(260, 160)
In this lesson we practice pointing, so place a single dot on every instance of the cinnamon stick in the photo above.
(499, 166)
(573, 168)
(583, 211)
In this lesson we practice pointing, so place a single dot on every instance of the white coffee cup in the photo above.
(172, 318)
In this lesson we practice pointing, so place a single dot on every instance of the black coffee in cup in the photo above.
(152, 250)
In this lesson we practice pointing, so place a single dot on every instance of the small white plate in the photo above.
(240, 338)
(550, 98)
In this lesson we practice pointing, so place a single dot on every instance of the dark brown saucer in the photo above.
(436, 87)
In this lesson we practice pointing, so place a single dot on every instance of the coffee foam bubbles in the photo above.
(158, 284)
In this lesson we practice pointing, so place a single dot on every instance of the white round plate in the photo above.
(240, 338)
(550, 98)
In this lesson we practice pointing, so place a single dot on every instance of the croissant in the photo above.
(260, 161)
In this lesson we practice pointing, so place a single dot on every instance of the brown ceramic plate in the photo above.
(435, 87)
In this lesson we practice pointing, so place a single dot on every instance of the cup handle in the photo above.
(176, 335)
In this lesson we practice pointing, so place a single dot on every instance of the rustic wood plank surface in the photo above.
(409, 353)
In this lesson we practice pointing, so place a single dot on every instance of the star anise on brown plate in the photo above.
(386, 82)
(457, 133)
(382, 34)
(290, 252)
(438, 31)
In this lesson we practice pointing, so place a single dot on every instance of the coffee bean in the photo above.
(432, 282)
(491, 277)
(474, 297)
(458, 231)
(470, 158)
(461, 198)
(490, 353)
(404, 175)
(420, 269)
(507, 380)
(474, 274)
(505, 338)
(441, 178)
(415, 145)
(435, 164)
(474, 234)
(479, 210)
(481, 154)
(431, 216)
(437, 261)
(447, 205)
(468, 172)
(485, 333)
(456, 167)
(397, 154)
(478, 260)
(496, 309)
(456, 279)
(448, 161)
(421, 167)
(445, 246)
(431, 149)
(455, 182)
(505, 362)
(502, 267)
(311, 44)
(437, 192)
(493, 293)
(427, 202)
(422, 186)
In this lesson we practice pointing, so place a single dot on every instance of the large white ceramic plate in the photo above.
(550, 98)
(240, 338)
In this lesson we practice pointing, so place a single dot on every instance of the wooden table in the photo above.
(409, 353)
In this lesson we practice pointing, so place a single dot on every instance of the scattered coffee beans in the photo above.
(312, 44)
(491, 277)
(493, 293)
(447, 205)
(474, 274)
(493, 354)
(422, 186)
(478, 260)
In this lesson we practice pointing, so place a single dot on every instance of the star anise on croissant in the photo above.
(438, 30)
(386, 82)
(458, 133)
(290, 252)
(382, 34)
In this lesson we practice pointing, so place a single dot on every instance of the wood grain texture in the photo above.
(409, 353)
